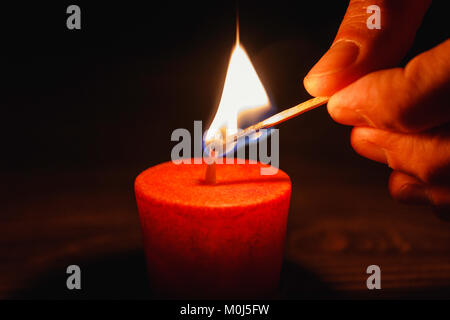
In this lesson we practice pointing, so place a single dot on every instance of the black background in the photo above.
(111, 93)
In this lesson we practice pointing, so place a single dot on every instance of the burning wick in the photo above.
(210, 176)
(243, 90)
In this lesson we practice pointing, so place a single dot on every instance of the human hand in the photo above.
(401, 115)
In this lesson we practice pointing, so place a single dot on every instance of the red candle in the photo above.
(213, 241)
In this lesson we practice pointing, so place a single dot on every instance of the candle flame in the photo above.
(242, 90)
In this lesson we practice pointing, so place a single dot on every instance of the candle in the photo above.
(222, 237)
(213, 241)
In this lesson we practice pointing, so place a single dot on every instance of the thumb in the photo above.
(358, 50)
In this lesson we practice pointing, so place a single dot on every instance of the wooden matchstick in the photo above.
(290, 113)
(271, 121)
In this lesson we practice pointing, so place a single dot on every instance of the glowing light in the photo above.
(242, 90)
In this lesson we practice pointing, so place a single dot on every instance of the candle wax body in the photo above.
(213, 241)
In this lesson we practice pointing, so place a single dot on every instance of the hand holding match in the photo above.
(401, 115)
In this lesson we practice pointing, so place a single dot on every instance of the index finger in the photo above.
(410, 99)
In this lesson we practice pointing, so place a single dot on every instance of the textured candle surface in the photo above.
(222, 240)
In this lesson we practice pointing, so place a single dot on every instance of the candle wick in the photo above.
(210, 175)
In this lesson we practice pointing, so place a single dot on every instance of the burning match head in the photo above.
(218, 146)
(215, 147)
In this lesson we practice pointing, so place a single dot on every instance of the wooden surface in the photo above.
(341, 221)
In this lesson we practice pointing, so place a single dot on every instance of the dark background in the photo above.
(84, 111)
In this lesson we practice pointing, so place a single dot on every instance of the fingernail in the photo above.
(340, 56)
(413, 193)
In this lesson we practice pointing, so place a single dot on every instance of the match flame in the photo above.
(242, 90)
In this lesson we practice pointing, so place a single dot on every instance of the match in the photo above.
(268, 123)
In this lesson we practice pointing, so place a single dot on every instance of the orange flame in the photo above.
(242, 90)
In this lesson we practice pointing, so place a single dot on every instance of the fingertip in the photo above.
(333, 106)
(372, 135)
(316, 87)
(330, 73)
(310, 86)
(407, 189)
(324, 86)
(335, 110)
(363, 142)
(341, 111)
(342, 54)
(363, 134)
